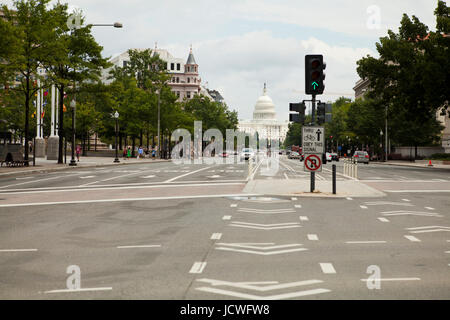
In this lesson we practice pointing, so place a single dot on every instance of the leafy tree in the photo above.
(24, 45)
(72, 57)
(411, 75)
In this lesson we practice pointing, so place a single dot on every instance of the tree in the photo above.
(24, 42)
(411, 75)
(72, 57)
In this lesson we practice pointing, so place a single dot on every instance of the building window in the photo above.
(188, 94)
(178, 94)
(178, 80)
(172, 66)
(178, 66)
(189, 80)
(195, 80)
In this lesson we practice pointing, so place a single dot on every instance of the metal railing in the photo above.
(351, 168)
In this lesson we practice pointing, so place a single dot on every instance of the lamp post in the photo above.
(73, 105)
(386, 136)
(381, 142)
(158, 91)
(116, 116)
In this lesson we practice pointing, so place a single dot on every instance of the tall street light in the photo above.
(73, 105)
(381, 142)
(158, 91)
(116, 116)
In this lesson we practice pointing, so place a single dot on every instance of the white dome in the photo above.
(264, 108)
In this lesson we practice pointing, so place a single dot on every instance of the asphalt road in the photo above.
(167, 231)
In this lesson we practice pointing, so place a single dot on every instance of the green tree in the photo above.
(411, 75)
(24, 45)
(72, 57)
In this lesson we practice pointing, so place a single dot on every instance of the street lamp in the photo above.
(115, 25)
(73, 105)
(159, 123)
(381, 142)
(116, 116)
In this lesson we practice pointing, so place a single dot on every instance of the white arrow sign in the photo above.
(262, 247)
(261, 287)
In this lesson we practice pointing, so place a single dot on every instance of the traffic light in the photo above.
(300, 109)
(324, 113)
(314, 75)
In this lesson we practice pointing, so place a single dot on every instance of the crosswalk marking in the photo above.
(216, 236)
(198, 267)
(412, 238)
(383, 219)
(313, 237)
(226, 218)
(327, 268)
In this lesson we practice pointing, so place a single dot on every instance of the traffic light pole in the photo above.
(313, 111)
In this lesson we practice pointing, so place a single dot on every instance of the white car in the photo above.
(329, 157)
(247, 153)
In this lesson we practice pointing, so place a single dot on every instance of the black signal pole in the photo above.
(313, 110)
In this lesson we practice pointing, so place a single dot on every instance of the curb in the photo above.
(412, 165)
(67, 167)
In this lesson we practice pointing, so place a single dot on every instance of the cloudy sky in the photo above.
(240, 44)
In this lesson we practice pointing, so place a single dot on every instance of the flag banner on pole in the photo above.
(45, 93)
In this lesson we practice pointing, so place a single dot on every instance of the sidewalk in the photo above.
(297, 187)
(44, 165)
(418, 163)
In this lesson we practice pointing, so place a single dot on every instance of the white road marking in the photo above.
(383, 219)
(87, 177)
(262, 247)
(392, 279)
(262, 211)
(216, 236)
(226, 218)
(148, 177)
(413, 213)
(259, 226)
(428, 229)
(406, 200)
(416, 191)
(429, 208)
(294, 199)
(382, 203)
(45, 179)
(122, 200)
(198, 267)
(18, 250)
(304, 218)
(363, 207)
(313, 237)
(298, 206)
(234, 205)
(24, 178)
(79, 290)
(140, 246)
(348, 198)
(286, 176)
(412, 238)
(364, 242)
(327, 268)
(186, 174)
(271, 285)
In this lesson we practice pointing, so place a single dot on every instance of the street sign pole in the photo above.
(313, 111)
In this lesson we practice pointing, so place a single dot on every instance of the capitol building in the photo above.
(265, 121)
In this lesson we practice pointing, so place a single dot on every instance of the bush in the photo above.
(439, 156)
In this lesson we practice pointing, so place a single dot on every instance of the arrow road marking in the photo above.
(413, 213)
(379, 203)
(263, 247)
(428, 229)
(261, 288)
(265, 226)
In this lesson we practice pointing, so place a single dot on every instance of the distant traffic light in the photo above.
(299, 116)
(324, 113)
(314, 75)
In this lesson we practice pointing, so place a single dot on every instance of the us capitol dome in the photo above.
(265, 120)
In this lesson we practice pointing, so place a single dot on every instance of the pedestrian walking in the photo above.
(129, 153)
(140, 152)
(153, 154)
(78, 151)
(124, 153)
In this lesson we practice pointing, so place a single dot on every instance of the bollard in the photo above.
(250, 169)
(334, 179)
(313, 181)
(356, 171)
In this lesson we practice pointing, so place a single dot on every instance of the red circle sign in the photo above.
(313, 162)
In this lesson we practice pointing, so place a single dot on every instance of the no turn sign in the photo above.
(313, 163)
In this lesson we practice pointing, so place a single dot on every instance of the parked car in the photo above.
(224, 154)
(361, 156)
(334, 157)
(247, 153)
